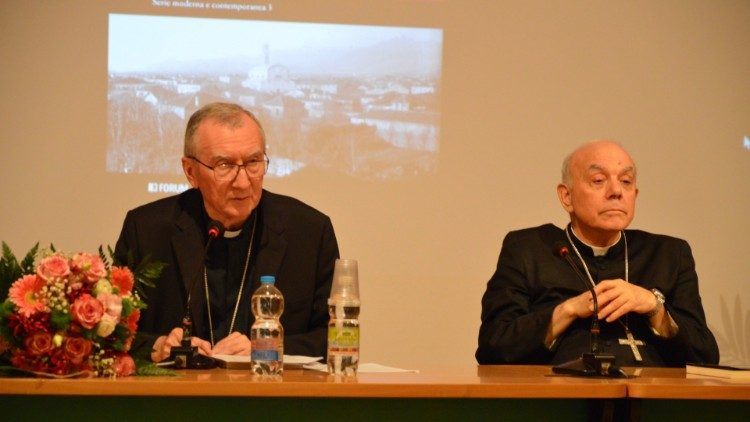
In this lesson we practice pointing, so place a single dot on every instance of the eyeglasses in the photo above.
(224, 172)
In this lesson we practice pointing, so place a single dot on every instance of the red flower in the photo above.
(38, 343)
(77, 349)
(87, 311)
(18, 359)
(124, 365)
(22, 326)
(59, 363)
(132, 321)
(123, 279)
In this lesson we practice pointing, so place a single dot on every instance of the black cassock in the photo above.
(531, 280)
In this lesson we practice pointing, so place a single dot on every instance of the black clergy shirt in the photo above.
(225, 266)
(530, 280)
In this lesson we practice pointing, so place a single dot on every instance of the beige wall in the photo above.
(523, 83)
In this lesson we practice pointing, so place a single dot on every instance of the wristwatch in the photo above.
(660, 299)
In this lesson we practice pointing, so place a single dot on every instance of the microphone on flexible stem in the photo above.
(592, 363)
(186, 355)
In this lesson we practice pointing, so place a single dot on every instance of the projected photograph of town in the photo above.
(357, 100)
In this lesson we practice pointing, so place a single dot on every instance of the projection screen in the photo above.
(425, 129)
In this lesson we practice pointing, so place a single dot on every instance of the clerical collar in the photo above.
(231, 234)
(598, 250)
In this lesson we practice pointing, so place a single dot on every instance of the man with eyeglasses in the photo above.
(266, 234)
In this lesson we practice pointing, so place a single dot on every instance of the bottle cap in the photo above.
(267, 279)
(345, 285)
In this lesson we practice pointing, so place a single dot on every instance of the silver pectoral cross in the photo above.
(633, 343)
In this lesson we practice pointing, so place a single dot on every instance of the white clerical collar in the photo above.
(229, 234)
(599, 250)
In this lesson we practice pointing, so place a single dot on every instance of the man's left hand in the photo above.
(618, 297)
(233, 344)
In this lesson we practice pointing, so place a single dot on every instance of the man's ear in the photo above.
(565, 196)
(189, 167)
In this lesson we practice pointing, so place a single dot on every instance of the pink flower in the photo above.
(38, 343)
(87, 311)
(112, 305)
(123, 279)
(90, 266)
(77, 349)
(124, 365)
(26, 294)
(54, 266)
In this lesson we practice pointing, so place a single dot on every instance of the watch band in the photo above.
(660, 299)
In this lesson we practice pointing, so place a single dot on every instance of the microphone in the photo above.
(561, 250)
(593, 362)
(186, 355)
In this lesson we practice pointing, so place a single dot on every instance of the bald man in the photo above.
(537, 309)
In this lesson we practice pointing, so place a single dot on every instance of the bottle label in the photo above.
(265, 349)
(264, 355)
(343, 338)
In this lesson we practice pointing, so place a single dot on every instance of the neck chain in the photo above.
(630, 340)
(588, 273)
(239, 294)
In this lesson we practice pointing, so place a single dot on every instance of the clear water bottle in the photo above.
(343, 325)
(266, 333)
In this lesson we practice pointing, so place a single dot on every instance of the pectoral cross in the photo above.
(633, 343)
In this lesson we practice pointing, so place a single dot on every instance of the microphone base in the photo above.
(591, 365)
(189, 358)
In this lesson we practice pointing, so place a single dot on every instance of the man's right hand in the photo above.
(163, 345)
(581, 306)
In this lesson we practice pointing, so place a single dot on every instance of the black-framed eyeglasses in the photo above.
(228, 171)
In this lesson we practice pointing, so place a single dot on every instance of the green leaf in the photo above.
(11, 270)
(104, 258)
(118, 345)
(59, 320)
(127, 307)
(112, 256)
(145, 368)
(146, 272)
(27, 264)
(6, 309)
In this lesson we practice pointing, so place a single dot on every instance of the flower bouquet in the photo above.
(69, 315)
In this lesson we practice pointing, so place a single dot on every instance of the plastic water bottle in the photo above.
(343, 325)
(266, 333)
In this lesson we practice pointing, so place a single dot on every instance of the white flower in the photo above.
(102, 286)
(106, 325)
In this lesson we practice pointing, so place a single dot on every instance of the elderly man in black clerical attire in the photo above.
(537, 310)
(266, 234)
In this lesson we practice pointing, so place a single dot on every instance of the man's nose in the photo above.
(242, 178)
(614, 189)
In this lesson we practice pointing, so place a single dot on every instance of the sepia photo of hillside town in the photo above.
(369, 108)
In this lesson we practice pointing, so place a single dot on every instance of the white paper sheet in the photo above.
(363, 368)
